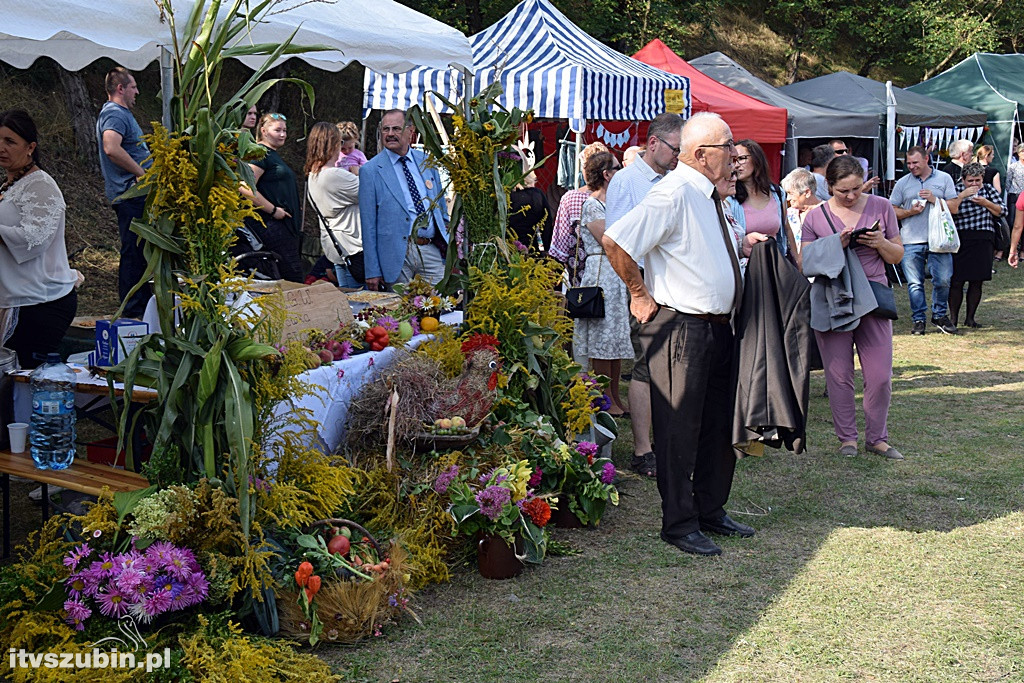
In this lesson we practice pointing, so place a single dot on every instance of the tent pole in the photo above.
(576, 170)
(890, 132)
(362, 134)
(166, 86)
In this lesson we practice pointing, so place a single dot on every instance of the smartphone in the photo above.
(855, 235)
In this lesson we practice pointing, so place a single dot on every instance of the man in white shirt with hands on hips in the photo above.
(690, 289)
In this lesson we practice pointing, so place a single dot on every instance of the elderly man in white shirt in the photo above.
(691, 286)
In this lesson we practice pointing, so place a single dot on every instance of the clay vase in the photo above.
(497, 559)
(563, 517)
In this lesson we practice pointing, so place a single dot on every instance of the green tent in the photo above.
(992, 84)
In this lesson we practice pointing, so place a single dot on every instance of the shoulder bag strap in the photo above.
(326, 226)
(828, 218)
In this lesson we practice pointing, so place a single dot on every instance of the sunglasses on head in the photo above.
(278, 117)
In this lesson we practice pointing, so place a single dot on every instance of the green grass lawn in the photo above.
(862, 569)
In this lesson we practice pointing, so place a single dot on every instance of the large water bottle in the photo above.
(52, 432)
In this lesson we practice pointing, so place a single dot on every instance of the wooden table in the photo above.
(82, 476)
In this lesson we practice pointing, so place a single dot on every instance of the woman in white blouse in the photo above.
(37, 287)
(333, 193)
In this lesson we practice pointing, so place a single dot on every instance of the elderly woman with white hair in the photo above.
(801, 189)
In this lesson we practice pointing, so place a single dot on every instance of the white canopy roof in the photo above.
(379, 34)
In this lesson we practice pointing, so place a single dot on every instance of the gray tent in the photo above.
(806, 120)
(865, 95)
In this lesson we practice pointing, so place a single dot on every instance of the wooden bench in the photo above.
(81, 476)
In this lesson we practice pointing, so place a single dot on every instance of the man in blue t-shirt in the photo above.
(914, 197)
(123, 160)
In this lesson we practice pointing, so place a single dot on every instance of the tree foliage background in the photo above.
(908, 40)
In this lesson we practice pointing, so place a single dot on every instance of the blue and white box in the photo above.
(115, 339)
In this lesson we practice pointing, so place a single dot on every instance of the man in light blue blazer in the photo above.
(402, 210)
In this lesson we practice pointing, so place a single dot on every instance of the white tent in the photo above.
(379, 34)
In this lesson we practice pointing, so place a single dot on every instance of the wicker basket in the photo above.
(349, 609)
(426, 441)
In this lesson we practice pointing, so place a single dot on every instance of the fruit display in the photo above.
(446, 426)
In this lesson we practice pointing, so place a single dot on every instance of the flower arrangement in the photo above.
(500, 503)
(483, 169)
(583, 480)
(145, 584)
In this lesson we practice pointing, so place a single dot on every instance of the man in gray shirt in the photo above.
(820, 156)
(914, 198)
(626, 189)
(123, 156)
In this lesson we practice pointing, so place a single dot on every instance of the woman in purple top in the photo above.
(849, 210)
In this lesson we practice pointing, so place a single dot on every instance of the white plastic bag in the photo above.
(942, 237)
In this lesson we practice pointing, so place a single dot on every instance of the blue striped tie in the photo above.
(414, 192)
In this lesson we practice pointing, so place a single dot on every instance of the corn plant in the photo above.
(209, 347)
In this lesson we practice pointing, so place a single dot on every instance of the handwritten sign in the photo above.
(675, 103)
(317, 307)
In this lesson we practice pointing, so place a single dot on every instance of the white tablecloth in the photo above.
(336, 384)
(333, 385)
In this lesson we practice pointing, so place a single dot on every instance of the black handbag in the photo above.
(353, 262)
(884, 297)
(585, 302)
(1002, 233)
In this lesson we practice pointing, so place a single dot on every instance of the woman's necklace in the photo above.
(15, 177)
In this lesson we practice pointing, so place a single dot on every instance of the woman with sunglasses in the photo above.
(603, 342)
(764, 205)
(277, 198)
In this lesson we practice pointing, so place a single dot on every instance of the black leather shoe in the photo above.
(695, 543)
(726, 526)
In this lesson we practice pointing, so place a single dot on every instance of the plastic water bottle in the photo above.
(52, 431)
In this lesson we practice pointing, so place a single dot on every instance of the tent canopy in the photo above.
(546, 63)
(865, 95)
(748, 118)
(380, 34)
(806, 120)
(991, 83)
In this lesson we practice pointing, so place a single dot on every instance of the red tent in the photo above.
(747, 117)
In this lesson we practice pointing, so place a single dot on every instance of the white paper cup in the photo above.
(18, 431)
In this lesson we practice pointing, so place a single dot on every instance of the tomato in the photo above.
(339, 545)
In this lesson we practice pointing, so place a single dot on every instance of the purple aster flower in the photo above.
(415, 322)
(159, 553)
(520, 247)
(75, 585)
(445, 479)
(586, 448)
(157, 603)
(388, 322)
(76, 555)
(104, 567)
(113, 603)
(608, 473)
(130, 559)
(346, 353)
(492, 500)
(418, 301)
(129, 579)
(535, 478)
(194, 591)
(77, 613)
(601, 402)
(181, 563)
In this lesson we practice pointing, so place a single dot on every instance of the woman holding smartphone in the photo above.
(877, 243)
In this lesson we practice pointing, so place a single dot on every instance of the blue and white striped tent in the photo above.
(546, 63)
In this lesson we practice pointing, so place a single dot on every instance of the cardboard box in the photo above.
(115, 339)
(320, 306)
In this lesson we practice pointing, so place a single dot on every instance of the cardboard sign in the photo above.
(317, 307)
(675, 103)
